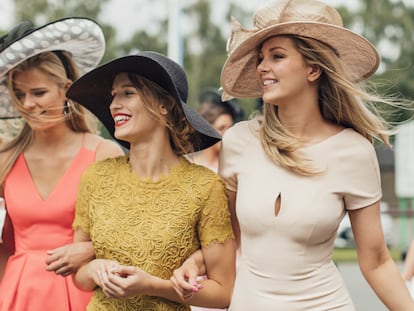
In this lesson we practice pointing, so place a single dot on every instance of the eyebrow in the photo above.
(276, 48)
(41, 88)
(273, 48)
(122, 86)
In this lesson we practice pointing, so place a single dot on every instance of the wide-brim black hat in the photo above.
(81, 37)
(93, 91)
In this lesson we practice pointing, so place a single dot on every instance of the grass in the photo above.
(350, 254)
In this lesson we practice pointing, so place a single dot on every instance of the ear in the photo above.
(163, 110)
(314, 73)
(68, 84)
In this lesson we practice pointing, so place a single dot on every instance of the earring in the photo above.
(66, 108)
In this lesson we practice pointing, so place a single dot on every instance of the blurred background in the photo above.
(194, 33)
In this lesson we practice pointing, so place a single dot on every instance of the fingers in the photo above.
(183, 293)
(60, 267)
(53, 256)
(123, 271)
(185, 284)
(110, 282)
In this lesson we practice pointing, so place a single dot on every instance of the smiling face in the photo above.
(282, 71)
(133, 121)
(41, 99)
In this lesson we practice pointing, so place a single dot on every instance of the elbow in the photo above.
(225, 303)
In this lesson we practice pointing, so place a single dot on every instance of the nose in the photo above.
(262, 66)
(114, 105)
(28, 102)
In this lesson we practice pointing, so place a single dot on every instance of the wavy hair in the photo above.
(77, 118)
(341, 101)
(181, 133)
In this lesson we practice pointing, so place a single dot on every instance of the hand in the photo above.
(185, 281)
(67, 259)
(124, 281)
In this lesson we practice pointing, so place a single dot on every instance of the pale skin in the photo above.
(53, 148)
(297, 100)
(291, 83)
(152, 156)
(209, 157)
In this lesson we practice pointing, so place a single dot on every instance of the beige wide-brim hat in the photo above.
(306, 18)
(81, 37)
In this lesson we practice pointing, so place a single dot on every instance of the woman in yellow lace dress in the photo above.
(147, 212)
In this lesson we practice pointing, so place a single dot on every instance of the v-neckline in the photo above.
(57, 184)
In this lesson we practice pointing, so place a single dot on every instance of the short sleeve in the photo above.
(232, 144)
(86, 185)
(215, 224)
(362, 177)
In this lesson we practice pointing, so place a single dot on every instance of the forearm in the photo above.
(162, 288)
(212, 295)
(198, 260)
(83, 278)
(385, 279)
(408, 268)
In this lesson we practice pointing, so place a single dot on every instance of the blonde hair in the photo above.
(341, 101)
(181, 133)
(77, 118)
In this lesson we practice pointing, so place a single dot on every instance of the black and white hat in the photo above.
(81, 37)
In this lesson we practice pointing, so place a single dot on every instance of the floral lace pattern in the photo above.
(152, 225)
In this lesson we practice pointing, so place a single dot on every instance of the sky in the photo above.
(158, 9)
(130, 16)
(123, 14)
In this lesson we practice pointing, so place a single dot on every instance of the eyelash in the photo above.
(275, 56)
(124, 93)
(40, 93)
(19, 96)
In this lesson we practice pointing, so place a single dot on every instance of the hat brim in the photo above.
(359, 57)
(93, 91)
(81, 37)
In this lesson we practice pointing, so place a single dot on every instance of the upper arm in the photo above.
(108, 149)
(220, 262)
(368, 235)
(231, 195)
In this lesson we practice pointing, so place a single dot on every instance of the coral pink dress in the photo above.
(41, 225)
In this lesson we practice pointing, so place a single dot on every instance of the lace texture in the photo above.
(152, 225)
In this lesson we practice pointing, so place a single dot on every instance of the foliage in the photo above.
(387, 24)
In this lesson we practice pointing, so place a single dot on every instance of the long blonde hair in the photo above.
(77, 118)
(341, 101)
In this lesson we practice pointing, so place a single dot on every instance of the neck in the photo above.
(152, 160)
(53, 138)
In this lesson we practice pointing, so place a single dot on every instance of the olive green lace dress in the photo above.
(151, 225)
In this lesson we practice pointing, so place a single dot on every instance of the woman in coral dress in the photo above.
(41, 167)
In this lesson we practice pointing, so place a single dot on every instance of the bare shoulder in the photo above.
(105, 148)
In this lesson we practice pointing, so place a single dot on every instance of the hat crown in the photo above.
(286, 11)
(16, 33)
(174, 70)
(305, 18)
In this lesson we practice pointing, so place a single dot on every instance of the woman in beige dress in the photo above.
(292, 173)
